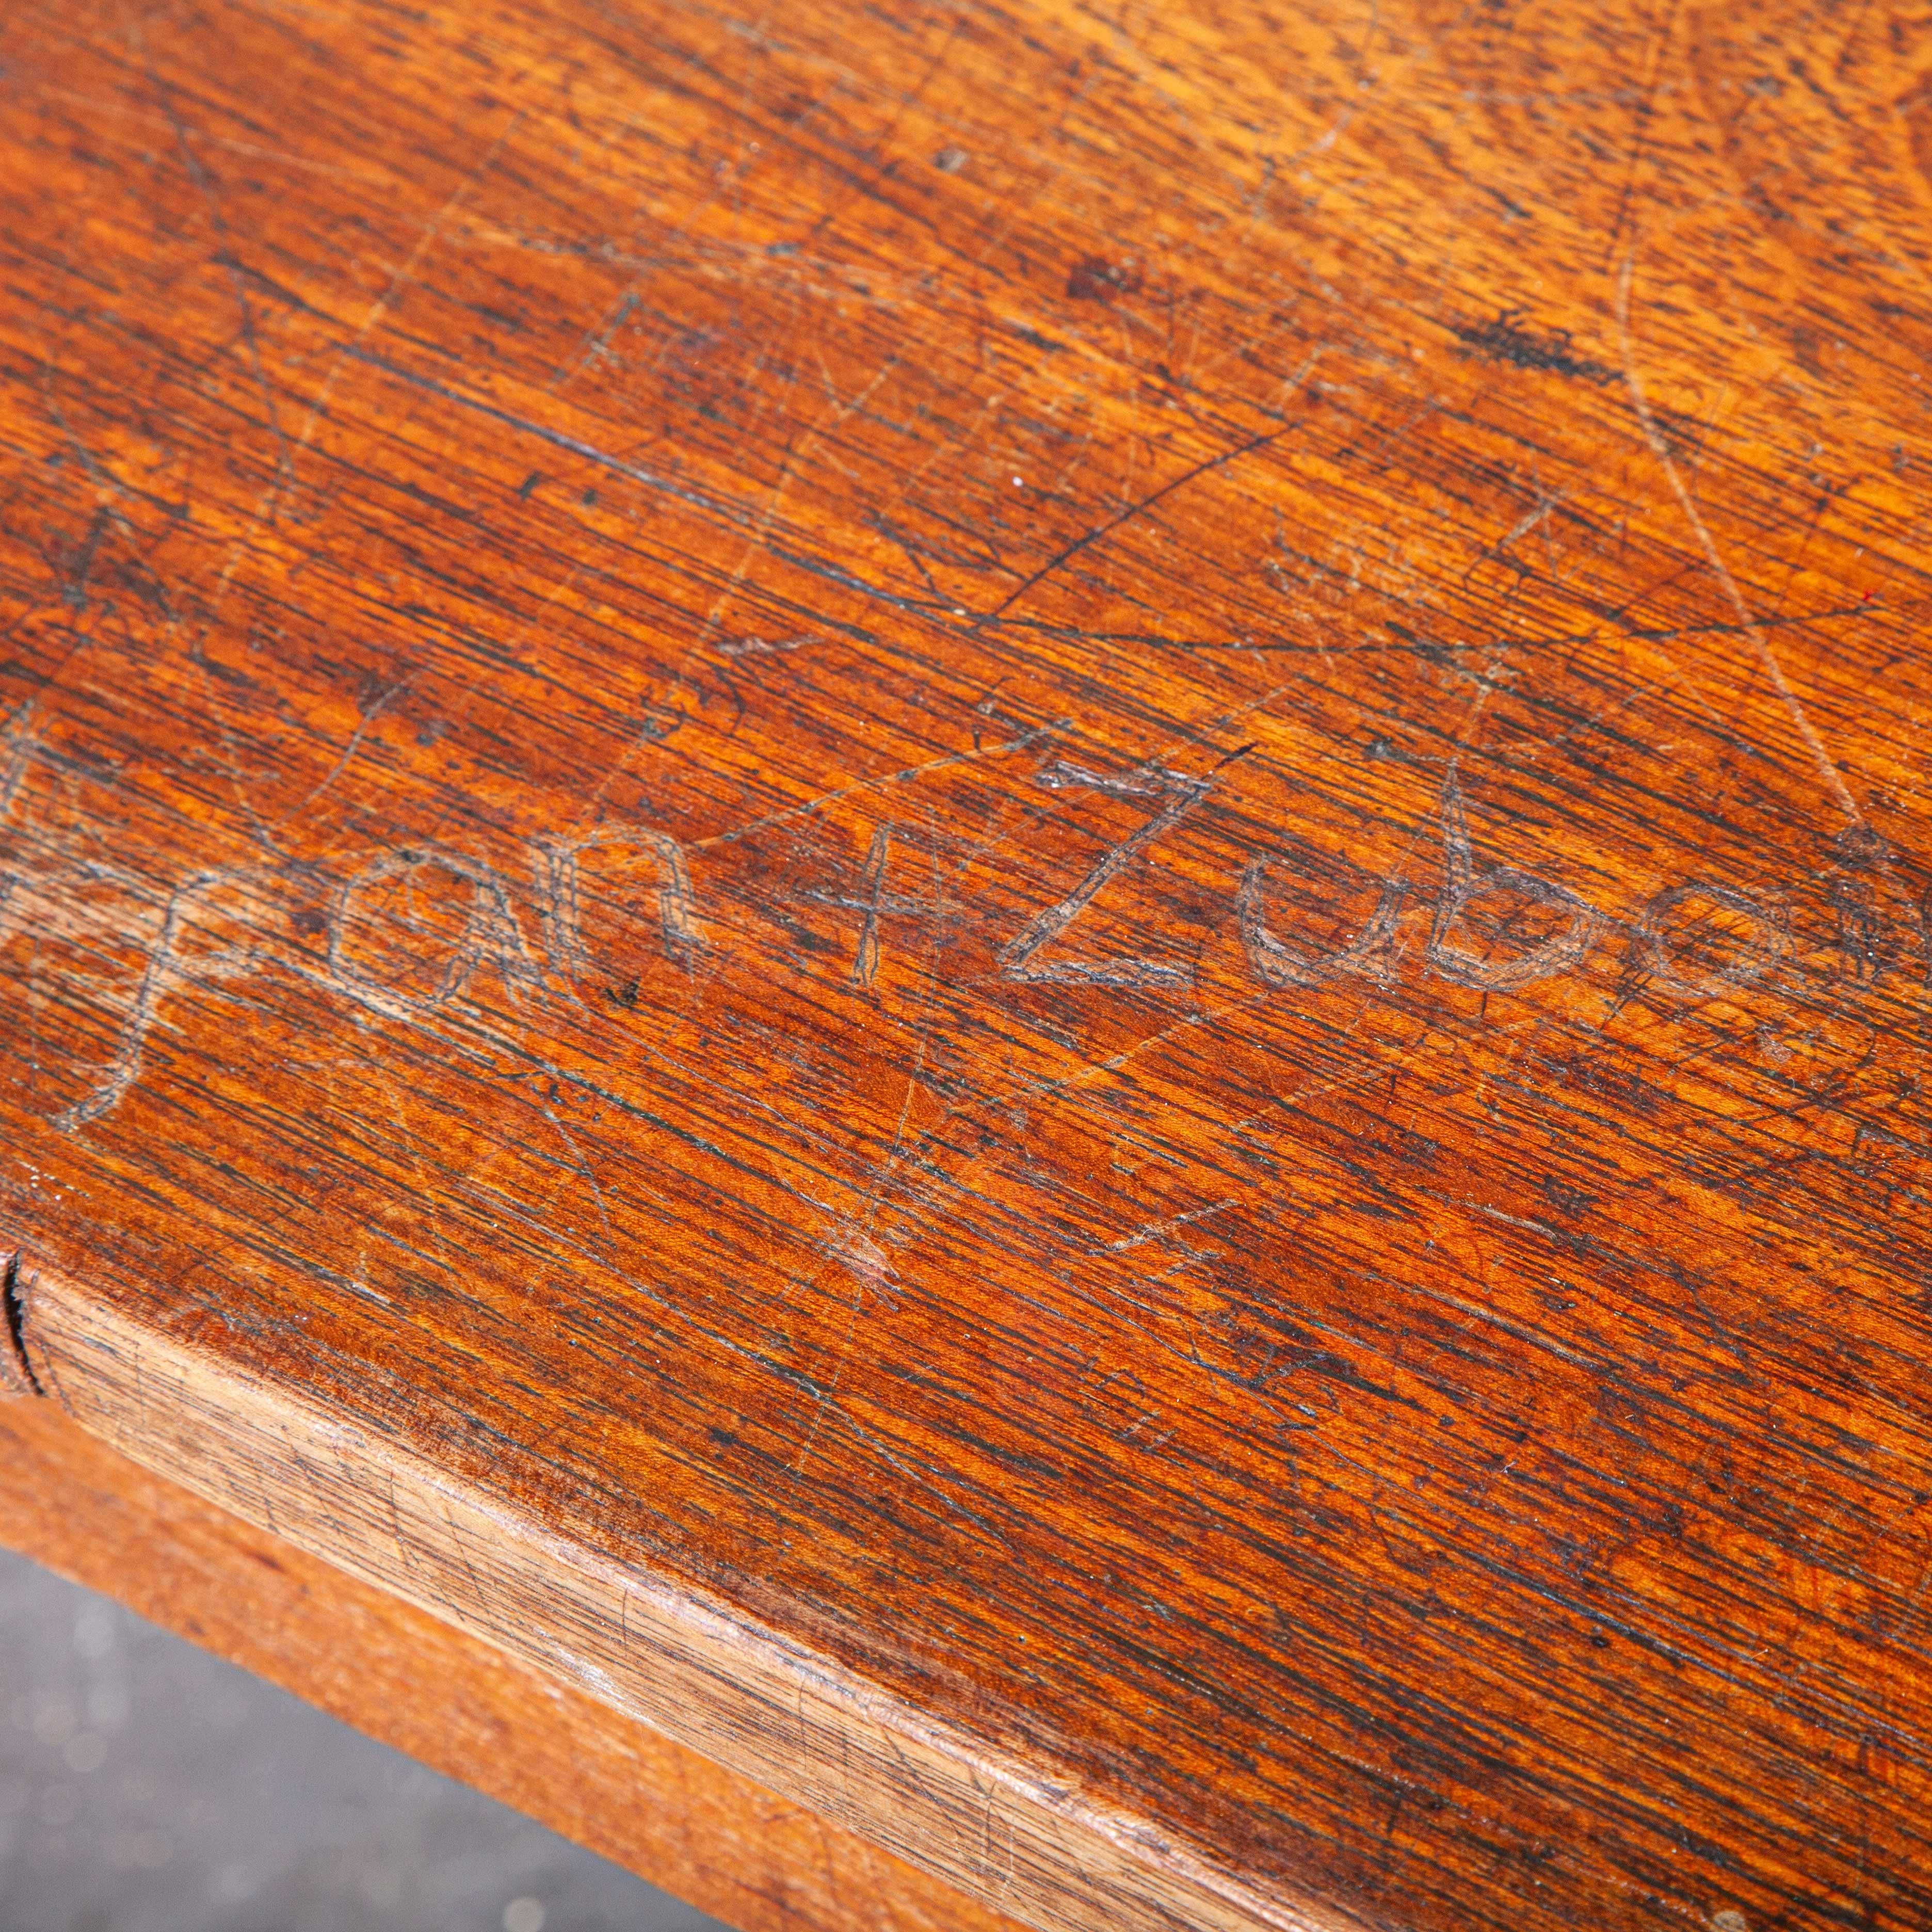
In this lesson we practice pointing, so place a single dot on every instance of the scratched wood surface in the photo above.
(1024, 906)
(740, 1853)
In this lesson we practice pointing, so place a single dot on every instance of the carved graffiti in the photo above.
(412, 930)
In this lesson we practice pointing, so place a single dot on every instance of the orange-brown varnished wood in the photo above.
(1025, 907)
(671, 1815)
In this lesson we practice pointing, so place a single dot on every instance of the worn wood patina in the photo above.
(1023, 909)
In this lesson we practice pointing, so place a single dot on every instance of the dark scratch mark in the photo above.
(651, 479)
(1133, 510)
(231, 266)
(1033, 337)
(348, 750)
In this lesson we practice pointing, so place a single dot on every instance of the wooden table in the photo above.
(973, 961)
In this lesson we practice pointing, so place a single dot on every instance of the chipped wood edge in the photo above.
(692, 1668)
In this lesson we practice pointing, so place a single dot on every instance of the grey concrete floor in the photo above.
(146, 1786)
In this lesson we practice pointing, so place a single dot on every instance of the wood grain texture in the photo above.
(1026, 905)
(627, 1792)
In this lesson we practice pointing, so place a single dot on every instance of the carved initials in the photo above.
(490, 932)
(1372, 955)
(1757, 953)
(1015, 957)
(677, 917)
(1463, 883)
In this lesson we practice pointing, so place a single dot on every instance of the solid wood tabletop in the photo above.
(1024, 908)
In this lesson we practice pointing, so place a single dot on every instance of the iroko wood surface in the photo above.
(1025, 907)
(752, 1859)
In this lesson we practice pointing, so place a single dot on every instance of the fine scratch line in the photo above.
(1827, 769)
(1156, 1229)
(651, 479)
(1133, 510)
